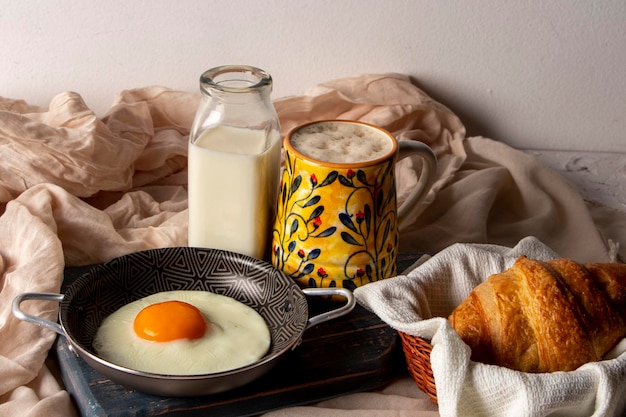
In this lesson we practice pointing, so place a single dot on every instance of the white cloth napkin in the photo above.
(418, 304)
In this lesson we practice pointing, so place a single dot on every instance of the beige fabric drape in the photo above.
(76, 190)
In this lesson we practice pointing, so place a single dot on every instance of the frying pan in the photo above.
(108, 286)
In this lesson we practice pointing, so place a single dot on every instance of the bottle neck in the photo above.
(236, 83)
(235, 96)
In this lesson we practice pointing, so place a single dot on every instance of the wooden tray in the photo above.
(354, 353)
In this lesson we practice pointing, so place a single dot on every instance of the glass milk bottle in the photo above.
(234, 162)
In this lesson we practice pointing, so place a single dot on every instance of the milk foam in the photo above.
(341, 142)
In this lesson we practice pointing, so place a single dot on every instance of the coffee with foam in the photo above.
(341, 142)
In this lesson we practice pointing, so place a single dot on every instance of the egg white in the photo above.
(236, 336)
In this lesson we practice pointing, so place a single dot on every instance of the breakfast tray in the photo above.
(354, 353)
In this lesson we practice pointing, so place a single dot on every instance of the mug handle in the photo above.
(426, 177)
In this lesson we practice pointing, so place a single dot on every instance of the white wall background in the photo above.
(535, 74)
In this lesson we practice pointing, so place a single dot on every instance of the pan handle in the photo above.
(17, 312)
(332, 314)
(320, 318)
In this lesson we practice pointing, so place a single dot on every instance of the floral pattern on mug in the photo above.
(335, 227)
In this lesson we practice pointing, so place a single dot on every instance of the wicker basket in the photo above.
(417, 354)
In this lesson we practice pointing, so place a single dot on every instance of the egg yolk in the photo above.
(169, 320)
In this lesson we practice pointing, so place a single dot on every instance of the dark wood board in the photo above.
(351, 354)
(354, 353)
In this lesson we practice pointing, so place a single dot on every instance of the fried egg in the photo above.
(183, 333)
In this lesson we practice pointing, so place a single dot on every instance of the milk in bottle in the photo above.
(234, 162)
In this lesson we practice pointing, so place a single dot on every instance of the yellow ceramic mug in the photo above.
(337, 218)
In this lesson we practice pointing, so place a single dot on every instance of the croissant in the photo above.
(544, 316)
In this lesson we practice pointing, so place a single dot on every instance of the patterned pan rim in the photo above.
(88, 277)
